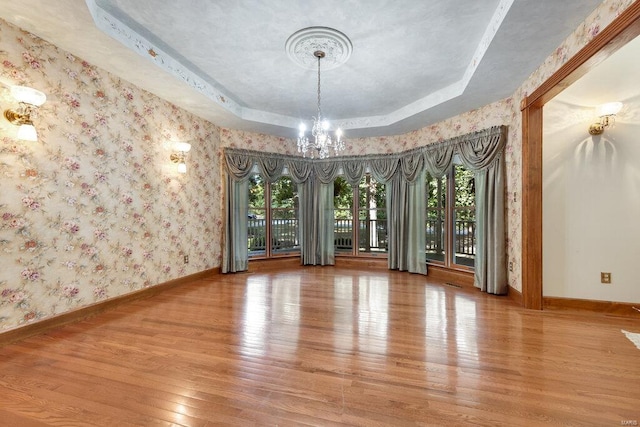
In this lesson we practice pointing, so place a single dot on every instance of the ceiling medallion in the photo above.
(302, 44)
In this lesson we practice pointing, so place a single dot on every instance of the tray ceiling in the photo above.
(413, 62)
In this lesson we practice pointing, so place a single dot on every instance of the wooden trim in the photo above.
(263, 264)
(611, 308)
(343, 261)
(532, 209)
(40, 327)
(448, 275)
(622, 29)
(515, 295)
(435, 272)
(362, 263)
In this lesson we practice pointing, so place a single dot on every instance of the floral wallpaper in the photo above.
(258, 142)
(94, 209)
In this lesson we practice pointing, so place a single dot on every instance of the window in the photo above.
(436, 218)
(284, 216)
(368, 203)
(256, 229)
(274, 231)
(343, 203)
(451, 227)
(372, 215)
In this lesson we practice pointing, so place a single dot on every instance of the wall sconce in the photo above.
(29, 100)
(182, 149)
(607, 113)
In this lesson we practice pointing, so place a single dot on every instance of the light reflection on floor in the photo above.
(361, 317)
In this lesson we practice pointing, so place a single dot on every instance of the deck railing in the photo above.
(284, 231)
(464, 243)
(343, 235)
(373, 234)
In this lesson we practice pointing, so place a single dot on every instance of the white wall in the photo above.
(591, 210)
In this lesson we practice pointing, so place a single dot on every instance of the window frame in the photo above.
(356, 232)
(449, 208)
(269, 253)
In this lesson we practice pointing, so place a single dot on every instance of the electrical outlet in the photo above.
(186, 259)
(511, 266)
(605, 277)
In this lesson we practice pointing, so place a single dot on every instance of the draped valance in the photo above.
(477, 150)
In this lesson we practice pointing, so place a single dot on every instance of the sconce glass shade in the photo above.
(182, 149)
(609, 109)
(28, 95)
(183, 146)
(27, 132)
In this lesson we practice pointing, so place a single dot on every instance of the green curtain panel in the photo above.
(235, 254)
(316, 223)
(406, 207)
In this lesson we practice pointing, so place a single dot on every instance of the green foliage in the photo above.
(433, 191)
(465, 187)
(368, 190)
(465, 195)
(284, 197)
(256, 192)
(284, 193)
(342, 198)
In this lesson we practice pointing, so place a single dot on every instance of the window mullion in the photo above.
(267, 202)
(449, 218)
(355, 250)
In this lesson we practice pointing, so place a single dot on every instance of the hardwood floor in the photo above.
(324, 346)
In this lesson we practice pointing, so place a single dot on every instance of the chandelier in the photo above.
(321, 141)
(306, 47)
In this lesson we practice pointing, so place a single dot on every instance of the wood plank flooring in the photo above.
(325, 346)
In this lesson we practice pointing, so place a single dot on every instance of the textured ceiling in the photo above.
(414, 62)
